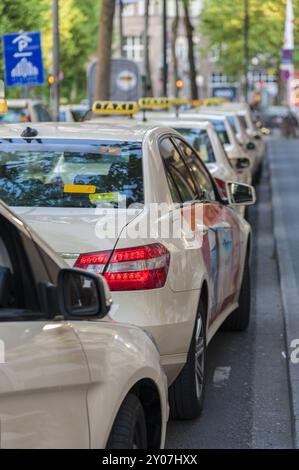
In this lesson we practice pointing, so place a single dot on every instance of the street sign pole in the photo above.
(165, 64)
(56, 87)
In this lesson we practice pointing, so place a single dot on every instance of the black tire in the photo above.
(129, 428)
(186, 394)
(239, 319)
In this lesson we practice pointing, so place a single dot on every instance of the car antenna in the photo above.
(29, 132)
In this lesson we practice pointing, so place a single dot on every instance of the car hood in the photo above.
(71, 232)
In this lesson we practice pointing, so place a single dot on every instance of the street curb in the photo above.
(290, 296)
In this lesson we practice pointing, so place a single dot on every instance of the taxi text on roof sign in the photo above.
(154, 103)
(115, 107)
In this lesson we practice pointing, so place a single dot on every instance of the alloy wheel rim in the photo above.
(199, 357)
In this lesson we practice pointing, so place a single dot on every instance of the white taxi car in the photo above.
(241, 160)
(245, 114)
(67, 379)
(137, 205)
(209, 142)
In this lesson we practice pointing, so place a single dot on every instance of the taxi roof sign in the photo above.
(196, 103)
(127, 108)
(154, 103)
(180, 102)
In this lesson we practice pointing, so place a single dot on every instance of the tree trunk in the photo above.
(192, 69)
(103, 80)
(148, 88)
(175, 27)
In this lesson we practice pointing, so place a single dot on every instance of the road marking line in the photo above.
(221, 376)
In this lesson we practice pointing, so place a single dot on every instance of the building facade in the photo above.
(133, 44)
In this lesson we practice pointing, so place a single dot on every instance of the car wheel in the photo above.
(239, 319)
(186, 394)
(129, 428)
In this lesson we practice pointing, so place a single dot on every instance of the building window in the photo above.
(134, 48)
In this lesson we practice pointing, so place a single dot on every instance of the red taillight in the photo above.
(221, 186)
(138, 268)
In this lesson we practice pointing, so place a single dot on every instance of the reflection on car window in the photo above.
(200, 140)
(70, 173)
(200, 176)
(181, 182)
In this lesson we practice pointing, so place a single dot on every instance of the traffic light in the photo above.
(51, 80)
(179, 84)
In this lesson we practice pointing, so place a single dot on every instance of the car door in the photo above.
(223, 242)
(43, 372)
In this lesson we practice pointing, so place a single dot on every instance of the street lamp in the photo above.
(246, 47)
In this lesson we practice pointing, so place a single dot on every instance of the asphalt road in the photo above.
(247, 396)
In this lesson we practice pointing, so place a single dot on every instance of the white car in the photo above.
(69, 376)
(205, 140)
(136, 204)
(25, 110)
(211, 139)
(72, 112)
(241, 160)
(244, 112)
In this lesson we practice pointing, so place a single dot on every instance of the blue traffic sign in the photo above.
(23, 60)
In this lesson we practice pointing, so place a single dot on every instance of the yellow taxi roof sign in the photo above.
(180, 102)
(215, 101)
(196, 103)
(127, 108)
(154, 103)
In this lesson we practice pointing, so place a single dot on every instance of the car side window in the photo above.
(199, 174)
(180, 181)
(16, 289)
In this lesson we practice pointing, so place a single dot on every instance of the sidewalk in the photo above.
(284, 170)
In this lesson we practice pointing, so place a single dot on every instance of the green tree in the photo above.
(18, 16)
(222, 23)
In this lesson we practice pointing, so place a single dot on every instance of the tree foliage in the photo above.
(78, 37)
(222, 23)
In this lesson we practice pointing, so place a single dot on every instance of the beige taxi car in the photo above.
(69, 376)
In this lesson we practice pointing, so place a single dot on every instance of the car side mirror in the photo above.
(83, 295)
(251, 146)
(240, 194)
(241, 163)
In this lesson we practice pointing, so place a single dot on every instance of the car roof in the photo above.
(90, 130)
(21, 103)
(185, 123)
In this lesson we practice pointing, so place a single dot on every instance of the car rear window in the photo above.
(14, 115)
(199, 139)
(71, 173)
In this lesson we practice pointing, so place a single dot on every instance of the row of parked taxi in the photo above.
(124, 248)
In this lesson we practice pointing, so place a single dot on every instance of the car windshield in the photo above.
(70, 173)
(14, 115)
(221, 131)
(200, 140)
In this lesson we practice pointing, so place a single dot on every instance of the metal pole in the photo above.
(56, 87)
(246, 48)
(165, 64)
(121, 28)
